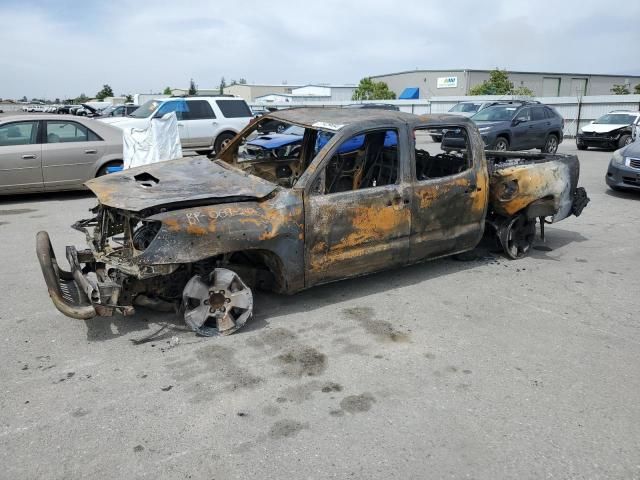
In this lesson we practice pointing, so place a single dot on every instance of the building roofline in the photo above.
(471, 70)
(264, 85)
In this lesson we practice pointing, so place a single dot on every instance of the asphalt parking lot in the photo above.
(486, 368)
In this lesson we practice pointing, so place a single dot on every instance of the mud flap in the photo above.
(580, 200)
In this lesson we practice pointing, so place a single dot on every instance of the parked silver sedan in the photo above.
(53, 152)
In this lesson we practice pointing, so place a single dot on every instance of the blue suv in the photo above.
(520, 126)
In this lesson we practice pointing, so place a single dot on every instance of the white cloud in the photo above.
(144, 45)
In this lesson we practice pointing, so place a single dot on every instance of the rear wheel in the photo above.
(517, 236)
(624, 141)
(103, 169)
(501, 144)
(222, 141)
(551, 145)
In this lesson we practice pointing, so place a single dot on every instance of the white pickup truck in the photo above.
(204, 123)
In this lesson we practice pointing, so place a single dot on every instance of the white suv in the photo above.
(204, 123)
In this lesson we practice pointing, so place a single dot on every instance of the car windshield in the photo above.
(497, 113)
(616, 119)
(294, 130)
(145, 110)
(108, 110)
(465, 107)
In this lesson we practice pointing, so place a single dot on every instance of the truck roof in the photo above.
(336, 118)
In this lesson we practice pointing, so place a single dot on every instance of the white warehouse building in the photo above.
(320, 93)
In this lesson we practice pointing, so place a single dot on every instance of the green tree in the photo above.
(223, 84)
(128, 98)
(193, 88)
(106, 91)
(522, 91)
(242, 81)
(620, 90)
(167, 91)
(498, 84)
(371, 90)
(23, 99)
(82, 98)
(636, 89)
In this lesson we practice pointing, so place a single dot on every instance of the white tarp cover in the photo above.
(158, 142)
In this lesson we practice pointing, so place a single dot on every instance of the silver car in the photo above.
(54, 152)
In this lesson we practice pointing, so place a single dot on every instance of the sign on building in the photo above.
(447, 82)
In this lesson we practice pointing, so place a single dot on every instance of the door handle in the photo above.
(28, 156)
(90, 151)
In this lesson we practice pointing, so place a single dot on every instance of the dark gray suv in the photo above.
(520, 126)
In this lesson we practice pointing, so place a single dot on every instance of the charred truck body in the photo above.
(201, 233)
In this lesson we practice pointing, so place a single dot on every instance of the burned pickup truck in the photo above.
(366, 190)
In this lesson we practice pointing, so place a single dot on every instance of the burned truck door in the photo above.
(449, 193)
(357, 210)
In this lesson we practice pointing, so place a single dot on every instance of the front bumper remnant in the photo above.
(67, 296)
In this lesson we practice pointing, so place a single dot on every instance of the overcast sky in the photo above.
(61, 48)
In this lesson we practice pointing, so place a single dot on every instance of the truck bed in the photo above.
(542, 185)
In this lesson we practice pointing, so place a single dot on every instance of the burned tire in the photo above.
(501, 144)
(624, 141)
(551, 144)
(222, 141)
(517, 236)
(217, 304)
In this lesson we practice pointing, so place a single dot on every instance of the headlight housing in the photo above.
(618, 158)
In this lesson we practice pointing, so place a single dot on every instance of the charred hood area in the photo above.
(176, 184)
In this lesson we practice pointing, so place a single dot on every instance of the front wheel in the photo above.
(218, 303)
(551, 145)
(222, 141)
(501, 144)
(624, 141)
(581, 146)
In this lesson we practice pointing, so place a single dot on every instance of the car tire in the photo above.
(222, 141)
(581, 146)
(103, 169)
(550, 144)
(436, 138)
(501, 144)
(203, 152)
(624, 141)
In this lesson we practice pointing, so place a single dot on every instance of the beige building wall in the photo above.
(542, 84)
